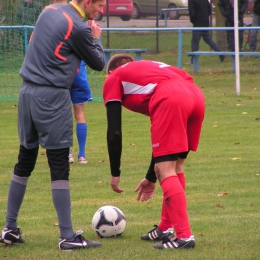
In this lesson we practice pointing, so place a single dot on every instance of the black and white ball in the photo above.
(108, 221)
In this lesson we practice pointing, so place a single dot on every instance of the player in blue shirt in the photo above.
(80, 94)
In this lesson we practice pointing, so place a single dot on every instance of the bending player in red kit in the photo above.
(176, 109)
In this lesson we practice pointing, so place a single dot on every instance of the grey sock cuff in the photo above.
(20, 180)
(60, 185)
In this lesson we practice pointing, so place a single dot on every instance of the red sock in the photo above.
(181, 177)
(165, 222)
(175, 203)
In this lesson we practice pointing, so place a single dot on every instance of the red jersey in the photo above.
(133, 83)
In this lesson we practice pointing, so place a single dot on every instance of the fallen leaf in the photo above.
(237, 143)
(238, 105)
(132, 144)
(56, 223)
(223, 194)
(258, 118)
(250, 98)
(219, 206)
(101, 161)
(244, 113)
(235, 158)
(99, 182)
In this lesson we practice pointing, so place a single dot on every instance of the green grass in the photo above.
(227, 161)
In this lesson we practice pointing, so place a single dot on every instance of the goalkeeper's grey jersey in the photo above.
(60, 40)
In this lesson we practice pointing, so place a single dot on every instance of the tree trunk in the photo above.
(220, 22)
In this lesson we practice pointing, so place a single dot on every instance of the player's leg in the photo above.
(28, 153)
(59, 167)
(165, 224)
(173, 190)
(173, 111)
(180, 168)
(52, 139)
(175, 204)
(81, 94)
(56, 138)
(81, 131)
(17, 188)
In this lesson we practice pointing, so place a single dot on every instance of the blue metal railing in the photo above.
(179, 30)
(20, 27)
(165, 11)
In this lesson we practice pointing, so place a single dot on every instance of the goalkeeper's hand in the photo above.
(145, 190)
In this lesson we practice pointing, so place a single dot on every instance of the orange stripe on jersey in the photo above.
(56, 52)
(50, 7)
(70, 26)
(31, 36)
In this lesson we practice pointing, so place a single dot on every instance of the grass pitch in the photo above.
(223, 180)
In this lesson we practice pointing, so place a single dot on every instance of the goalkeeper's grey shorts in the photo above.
(44, 117)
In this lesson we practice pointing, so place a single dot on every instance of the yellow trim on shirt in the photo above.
(81, 12)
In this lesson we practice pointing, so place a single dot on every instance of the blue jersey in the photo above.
(80, 91)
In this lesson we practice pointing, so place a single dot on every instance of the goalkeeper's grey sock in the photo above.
(16, 193)
(61, 201)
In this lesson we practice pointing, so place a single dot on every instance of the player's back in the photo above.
(134, 83)
(145, 71)
(49, 58)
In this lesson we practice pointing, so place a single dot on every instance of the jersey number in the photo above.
(161, 64)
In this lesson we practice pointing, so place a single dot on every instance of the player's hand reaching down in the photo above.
(114, 182)
(145, 190)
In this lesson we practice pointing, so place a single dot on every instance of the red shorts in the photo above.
(176, 112)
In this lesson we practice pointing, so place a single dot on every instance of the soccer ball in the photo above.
(108, 221)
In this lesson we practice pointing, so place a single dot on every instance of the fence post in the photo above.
(180, 49)
(25, 39)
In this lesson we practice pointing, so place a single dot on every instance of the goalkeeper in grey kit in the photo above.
(60, 40)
